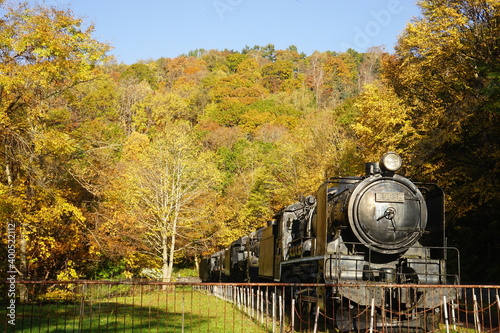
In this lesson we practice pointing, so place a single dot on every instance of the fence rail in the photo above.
(139, 306)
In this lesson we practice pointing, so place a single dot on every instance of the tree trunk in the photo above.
(166, 274)
(168, 250)
(23, 265)
(196, 263)
(22, 268)
(172, 246)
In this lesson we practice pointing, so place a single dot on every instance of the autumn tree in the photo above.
(167, 179)
(44, 54)
(333, 77)
(140, 72)
(277, 73)
(130, 93)
(383, 124)
(315, 74)
(157, 110)
(268, 51)
(319, 147)
(233, 60)
(340, 77)
(446, 69)
(229, 97)
(370, 66)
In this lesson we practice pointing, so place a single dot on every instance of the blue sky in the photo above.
(150, 29)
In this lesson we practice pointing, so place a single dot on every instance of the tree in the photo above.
(140, 72)
(315, 74)
(44, 54)
(276, 73)
(156, 110)
(130, 94)
(230, 95)
(446, 69)
(383, 124)
(370, 66)
(340, 77)
(233, 60)
(317, 149)
(166, 180)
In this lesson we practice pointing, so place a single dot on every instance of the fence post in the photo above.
(267, 306)
(372, 314)
(259, 305)
(476, 312)
(257, 296)
(252, 303)
(82, 307)
(182, 306)
(274, 312)
(453, 315)
(445, 308)
(245, 300)
(316, 318)
(238, 297)
(249, 302)
(498, 303)
(262, 306)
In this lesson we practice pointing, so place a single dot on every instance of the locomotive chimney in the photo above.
(372, 169)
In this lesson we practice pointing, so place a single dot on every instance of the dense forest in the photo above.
(119, 171)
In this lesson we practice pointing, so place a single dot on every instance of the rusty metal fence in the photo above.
(100, 306)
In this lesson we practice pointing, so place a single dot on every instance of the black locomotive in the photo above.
(381, 228)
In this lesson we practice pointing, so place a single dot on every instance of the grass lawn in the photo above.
(137, 310)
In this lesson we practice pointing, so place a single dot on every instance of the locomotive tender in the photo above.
(379, 228)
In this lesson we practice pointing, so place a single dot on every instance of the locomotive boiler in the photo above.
(379, 228)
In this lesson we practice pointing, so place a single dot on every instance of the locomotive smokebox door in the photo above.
(387, 214)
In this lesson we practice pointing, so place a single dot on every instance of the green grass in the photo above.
(458, 330)
(184, 310)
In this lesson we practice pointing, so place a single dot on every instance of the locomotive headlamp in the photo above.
(390, 162)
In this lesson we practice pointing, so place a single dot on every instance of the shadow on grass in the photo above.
(106, 316)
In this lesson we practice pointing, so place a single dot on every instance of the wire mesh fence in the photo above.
(100, 306)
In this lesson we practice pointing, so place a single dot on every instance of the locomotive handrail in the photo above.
(457, 253)
(365, 273)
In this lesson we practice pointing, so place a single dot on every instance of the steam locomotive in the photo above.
(381, 228)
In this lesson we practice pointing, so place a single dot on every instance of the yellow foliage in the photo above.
(383, 123)
(69, 273)
(64, 292)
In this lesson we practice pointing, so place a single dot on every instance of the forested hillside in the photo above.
(119, 171)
